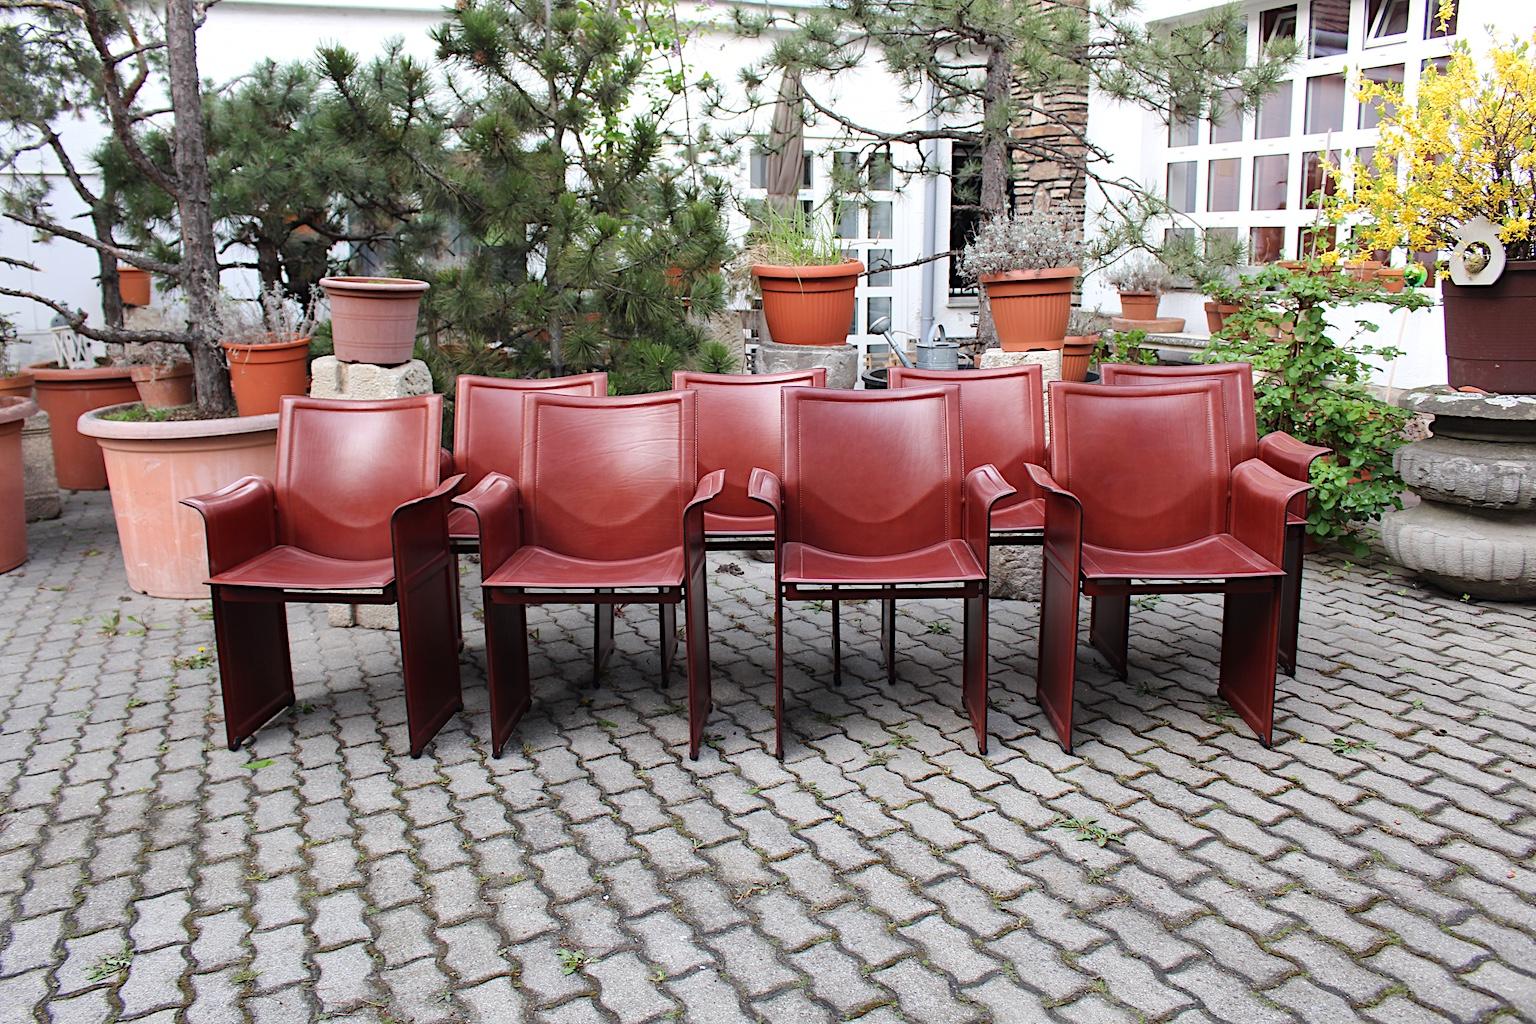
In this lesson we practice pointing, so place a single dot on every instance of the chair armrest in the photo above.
(709, 486)
(1260, 498)
(240, 521)
(763, 485)
(419, 532)
(497, 506)
(1290, 457)
(984, 487)
(1063, 539)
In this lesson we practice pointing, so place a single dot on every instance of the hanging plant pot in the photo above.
(67, 394)
(808, 305)
(1487, 331)
(1030, 307)
(164, 387)
(373, 319)
(1139, 305)
(1076, 354)
(262, 374)
(133, 286)
(13, 487)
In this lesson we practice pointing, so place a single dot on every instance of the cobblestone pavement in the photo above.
(1376, 865)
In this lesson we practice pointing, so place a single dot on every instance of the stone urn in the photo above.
(1474, 529)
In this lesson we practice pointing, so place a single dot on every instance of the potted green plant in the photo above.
(1459, 152)
(267, 344)
(1141, 282)
(806, 280)
(1027, 267)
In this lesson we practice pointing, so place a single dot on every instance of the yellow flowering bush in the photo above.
(1466, 147)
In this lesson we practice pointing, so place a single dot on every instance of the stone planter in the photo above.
(808, 305)
(841, 361)
(152, 466)
(13, 488)
(65, 395)
(1474, 530)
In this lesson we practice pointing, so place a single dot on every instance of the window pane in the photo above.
(1274, 117)
(1385, 19)
(1227, 124)
(846, 165)
(875, 308)
(1266, 244)
(808, 171)
(1316, 241)
(759, 169)
(964, 216)
(1181, 186)
(1318, 174)
(807, 210)
(847, 220)
(1271, 181)
(878, 261)
(1220, 239)
(1325, 104)
(1221, 187)
(1432, 28)
(1371, 113)
(1330, 27)
(880, 220)
(1181, 129)
(1438, 63)
(1278, 23)
(880, 172)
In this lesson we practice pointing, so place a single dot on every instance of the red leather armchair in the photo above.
(1143, 499)
(607, 499)
(875, 503)
(356, 506)
(1279, 450)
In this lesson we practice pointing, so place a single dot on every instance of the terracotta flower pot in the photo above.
(1216, 314)
(133, 286)
(808, 305)
(18, 384)
(64, 395)
(13, 486)
(373, 319)
(153, 466)
(262, 374)
(1076, 353)
(1139, 305)
(1391, 279)
(164, 387)
(1487, 331)
(1362, 270)
(1030, 307)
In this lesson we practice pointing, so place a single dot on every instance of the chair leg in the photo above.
(429, 652)
(506, 668)
(974, 667)
(666, 615)
(602, 639)
(1290, 595)
(1109, 625)
(1250, 628)
(778, 672)
(837, 643)
(1056, 662)
(700, 686)
(255, 673)
(888, 637)
(458, 611)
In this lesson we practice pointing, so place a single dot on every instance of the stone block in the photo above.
(1465, 552)
(841, 361)
(42, 486)
(332, 378)
(1480, 474)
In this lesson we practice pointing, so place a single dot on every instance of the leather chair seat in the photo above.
(542, 569)
(1019, 517)
(286, 567)
(1220, 556)
(462, 525)
(947, 561)
(738, 526)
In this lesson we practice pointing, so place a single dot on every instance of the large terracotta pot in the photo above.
(13, 488)
(164, 387)
(153, 466)
(64, 395)
(18, 384)
(1488, 340)
(1139, 305)
(262, 374)
(808, 305)
(1030, 307)
(133, 286)
(373, 319)
(1076, 354)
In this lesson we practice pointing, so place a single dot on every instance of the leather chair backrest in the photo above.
(872, 472)
(343, 467)
(740, 427)
(1002, 418)
(607, 478)
(488, 419)
(1149, 463)
(1236, 380)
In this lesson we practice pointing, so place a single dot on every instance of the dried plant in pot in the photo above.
(806, 281)
(267, 345)
(1141, 283)
(1027, 266)
(162, 374)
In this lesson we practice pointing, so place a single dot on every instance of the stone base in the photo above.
(1161, 325)
(841, 361)
(332, 378)
(1465, 552)
(1014, 573)
(42, 486)
(1480, 474)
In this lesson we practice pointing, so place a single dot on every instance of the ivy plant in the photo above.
(1316, 387)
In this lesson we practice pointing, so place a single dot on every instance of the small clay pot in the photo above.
(1139, 305)
(133, 286)
(808, 305)
(164, 387)
(1030, 308)
(1391, 279)
(373, 319)
(261, 374)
